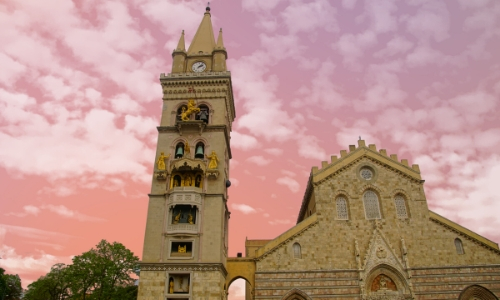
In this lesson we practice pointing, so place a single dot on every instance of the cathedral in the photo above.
(364, 229)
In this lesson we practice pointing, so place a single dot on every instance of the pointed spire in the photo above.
(181, 46)
(203, 40)
(220, 42)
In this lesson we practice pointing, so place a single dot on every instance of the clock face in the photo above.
(199, 66)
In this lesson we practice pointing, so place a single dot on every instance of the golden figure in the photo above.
(188, 181)
(161, 161)
(197, 181)
(177, 218)
(171, 286)
(190, 219)
(182, 249)
(187, 151)
(213, 160)
(191, 108)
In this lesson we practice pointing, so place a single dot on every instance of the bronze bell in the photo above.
(203, 115)
(199, 152)
(179, 153)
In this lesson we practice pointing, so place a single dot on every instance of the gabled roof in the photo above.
(347, 158)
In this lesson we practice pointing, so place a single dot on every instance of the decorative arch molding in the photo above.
(396, 192)
(296, 294)
(478, 292)
(366, 187)
(386, 282)
(341, 193)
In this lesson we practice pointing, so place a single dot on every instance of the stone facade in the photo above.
(385, 249)
(364, 230)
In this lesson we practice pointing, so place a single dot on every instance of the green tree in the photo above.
(102, 272)
(10, 286)
(53, 286)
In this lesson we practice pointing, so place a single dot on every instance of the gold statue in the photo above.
(177, 218)
(187, 150)
(191, 108)
(161, 161)
(171, 286)
(182, 249)
(213, 160)
(188, 181)
(190, 219)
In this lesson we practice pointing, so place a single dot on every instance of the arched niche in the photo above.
(296, 294)
(476, 292)
(386, 282)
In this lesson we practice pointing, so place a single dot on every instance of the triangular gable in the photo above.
(354, 154)
(380, 252)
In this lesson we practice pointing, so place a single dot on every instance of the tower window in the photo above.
(400, 203)
(203, 114)
(459, 246)
(297, 251)
(372, 207)
(200, 151)
(179, 150)
(342, 213)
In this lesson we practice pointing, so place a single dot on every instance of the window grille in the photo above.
(372, 209)
(296, 251)
(342, 209)
(399, 202)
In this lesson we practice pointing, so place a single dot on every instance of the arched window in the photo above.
(296, 251)
(199, 151)
(372, 207)
(459, 246)
(179, 150)
(204, 114)
(400, 203)
(342, 213)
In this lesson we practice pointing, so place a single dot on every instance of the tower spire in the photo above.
(203, 41)
(181, 46)
(220, 42)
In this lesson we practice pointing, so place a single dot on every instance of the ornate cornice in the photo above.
(181, 267)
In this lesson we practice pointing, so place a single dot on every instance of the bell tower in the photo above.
(186, 239)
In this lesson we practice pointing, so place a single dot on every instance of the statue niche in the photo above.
(184, 214)
(186, 111)
(186, 179)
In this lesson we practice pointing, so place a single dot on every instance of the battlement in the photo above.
(372, 148)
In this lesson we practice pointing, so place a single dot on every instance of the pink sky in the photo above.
(80, 100)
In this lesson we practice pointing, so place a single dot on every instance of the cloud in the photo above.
(301, 16)
(15, 263)
(397, 45)
(259, 160)
(243, 141)
(245, 209)
(274, 151)
(280, 222)
(352, 47)
(290, 183)
(431, 21)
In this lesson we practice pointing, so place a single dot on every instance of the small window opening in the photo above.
(400, 203)
(459, 246)
(342, 213)
(297, 251)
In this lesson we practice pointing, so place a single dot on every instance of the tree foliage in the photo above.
(102, 273)
(10, 286)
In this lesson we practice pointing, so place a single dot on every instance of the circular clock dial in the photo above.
(199, 66)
